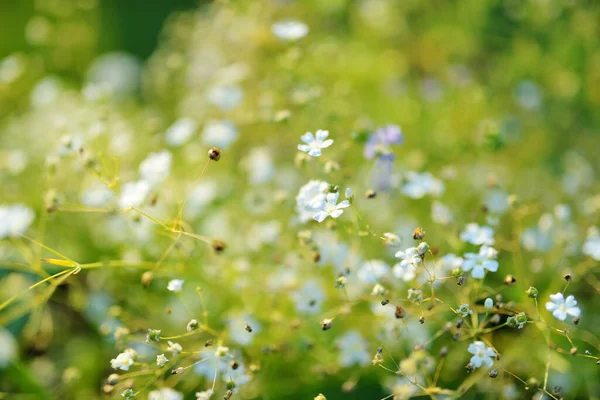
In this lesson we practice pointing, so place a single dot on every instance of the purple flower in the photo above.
(378, 144)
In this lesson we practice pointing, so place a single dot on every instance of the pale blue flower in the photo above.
(330, 207)
(314, 143)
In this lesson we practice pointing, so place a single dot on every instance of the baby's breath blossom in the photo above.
(379, 142)
(15, 220)
(404, 271)
(309, 298)
(418, 185)
(391, 240)
(161, 360)
(180, 132)
(372, 271)
(415, 295)
(175, 285)
(309, 197)
(205, 395)
(133, 194)
(153, 335)
(517, 321)
(174, 348)
(220, 133)
(289, 30)
(353, 349)
(129, 394)
(440, 213)
(124, 360)
(479, 263)
(449, 262)
(192, 325)
(378, 290)
(315, 143)
(591, 246)
(409, 257)
(478, 235)
(488, 303)
(165, 393)
(561, 307)
(156, 167)
(8, 348)
(464, 311)
(482, 355)
(330, 207)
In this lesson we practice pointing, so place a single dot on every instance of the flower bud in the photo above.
(147, 278)
(422, 248)
(320, 397)
(418, 233)
(326, 324)
(532, 293)
(214, 154)
(192, 325)
(400, 312)
(153, 335)
(370, 194)
(510, 280)
(112, 379)
(493, 373)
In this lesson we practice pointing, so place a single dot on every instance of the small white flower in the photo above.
(315, 143)
(404, 271)
(449, 262)
(309, 298)
(133, 194)
(353, 349)
(226, 97)
(349, 194)
(478, 235)
(289, 30)
(221, 351)
(391, 240)
(441, 214)
(180, 132)
(561, 307)
(220, 133)
(161, 360)
(330, 207)
(481, 354)
(15, 220)
(124, 360)
(372, 271)
(205, 395)
(309, 197)
(409, 257)
(174, 348)
(129, 394)
(479, 263)
(175, 285)
(591, 246)
(464, 310)
(165, 394)
(415, 295)
(418, 185)
(156, 167)
(488, 303)
(378, 290)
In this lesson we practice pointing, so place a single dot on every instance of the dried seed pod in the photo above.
(400, 312)
(214, 154)
(418, 233)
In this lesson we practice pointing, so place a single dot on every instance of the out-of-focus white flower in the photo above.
(449, 262)
(405, 271)
(378, 290)
(237, 329)
(180, 132)
(353, 349)
(46, 91)
(309, 298)
(15, 220)
(226, 97)
(11, 68)
(463, 310)
(156, 167)
(348, 194)
(220, 133)
(418, 185)
(128, 394)
(161, 360)
(391, 240)
(561, 307)
(482, 355)
(259, 164)
(481, 262)
(315, 143)
(591, 246)
(133, 194)
(124, 360)
(116, 73)
(330, 207)
(8, 348)
(440, 213)
(175, 285)
(264, 233)
(309, 197)
(174, 348)
(204, 193)
(165, 393)
(205, 395)
(477, 235)
(372, 271)
(96, 196)
(289, 30)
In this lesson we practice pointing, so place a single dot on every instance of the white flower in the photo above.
(309, 298)
(289, 30)
(15, 220)
(96, 196)
(372, 271)
(8, 348)
(353, 349)
(591, 246)
(418, 185)
(226, 97)
(156, 167)
(259, 164)
(205, 395)
(180, 132)
(330, 208)
(488, 303)
(349, 194)
(481, 262)
(561, 307)
(477, 235)
(405, 271)
(221, 351)
(309, 197)
(175, 285)
(165, 394)
(237, 329)
(124, 360)
(481, 354)
(415, 295)
(391, 240)
(219, 133)
(161, 360)
(464, 310)
(449, 262)
(440, 213)
(315, 143)
(174, 348)
(378, 290)
(409, 257)
(133, 194)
